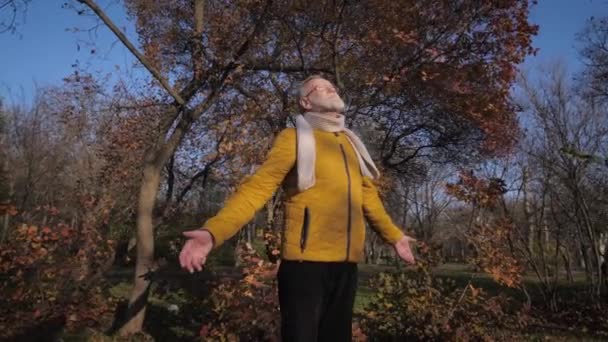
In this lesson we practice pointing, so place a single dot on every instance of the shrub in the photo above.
(245, 309)
(52, 273)
(419, 306)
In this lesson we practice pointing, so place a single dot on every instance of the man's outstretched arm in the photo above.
(256, 190)
(382, 223)
(242, 205)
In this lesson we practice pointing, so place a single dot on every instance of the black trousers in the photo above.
(316, 300)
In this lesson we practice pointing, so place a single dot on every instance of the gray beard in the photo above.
(331, 105)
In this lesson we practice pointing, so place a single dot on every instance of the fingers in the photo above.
(200, 263)
(190, 233)
(188, 261)
(194, 261)
(192, 258)
(407, 256)
(411, 258)
(181, 258)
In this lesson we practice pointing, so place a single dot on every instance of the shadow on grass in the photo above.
(565, 325)
(174, 310)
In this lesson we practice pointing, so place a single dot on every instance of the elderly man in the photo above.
(327, 174)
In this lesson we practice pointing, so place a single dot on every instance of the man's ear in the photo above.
(305, 103)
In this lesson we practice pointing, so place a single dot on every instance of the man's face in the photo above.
(321, 96)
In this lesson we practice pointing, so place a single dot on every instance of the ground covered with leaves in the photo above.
(453, 302)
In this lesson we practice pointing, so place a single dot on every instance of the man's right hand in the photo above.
(194, 253)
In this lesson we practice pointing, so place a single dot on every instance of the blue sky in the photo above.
(45, 48)
(559, 21)
(44, 51)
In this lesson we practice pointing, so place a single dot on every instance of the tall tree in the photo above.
(564, 123)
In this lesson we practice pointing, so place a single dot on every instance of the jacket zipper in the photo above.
(304, 233)
(348, 225)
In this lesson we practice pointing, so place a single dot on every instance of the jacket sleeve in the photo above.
(256, 189)
(376, 215)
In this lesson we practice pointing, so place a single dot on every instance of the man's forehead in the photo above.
(316, 82)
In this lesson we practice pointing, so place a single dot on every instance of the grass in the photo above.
(164, 325)
(461, 274)
(364, 296)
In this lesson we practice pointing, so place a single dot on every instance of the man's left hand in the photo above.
(402, 247)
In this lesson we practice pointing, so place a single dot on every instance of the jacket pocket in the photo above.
(304, 233)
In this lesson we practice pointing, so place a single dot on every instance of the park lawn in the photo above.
(165, 325)
(463, 273)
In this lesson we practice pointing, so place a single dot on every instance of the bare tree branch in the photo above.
(123, 38)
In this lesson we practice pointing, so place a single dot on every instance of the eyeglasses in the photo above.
(326, 89)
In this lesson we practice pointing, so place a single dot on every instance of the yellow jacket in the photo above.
(323, 223)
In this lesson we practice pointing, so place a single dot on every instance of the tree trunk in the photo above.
(145, 249)
(567, 264)
(604, 266)
(5, 222)
(7, 217)
(528, 210)
(595, 247)
(371, 251)
(249, 231)
(463, 252)
(9, 196)
(585, 262)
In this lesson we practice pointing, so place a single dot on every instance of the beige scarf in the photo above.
(306, 154)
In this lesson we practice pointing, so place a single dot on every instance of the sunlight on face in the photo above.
(321, 96)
